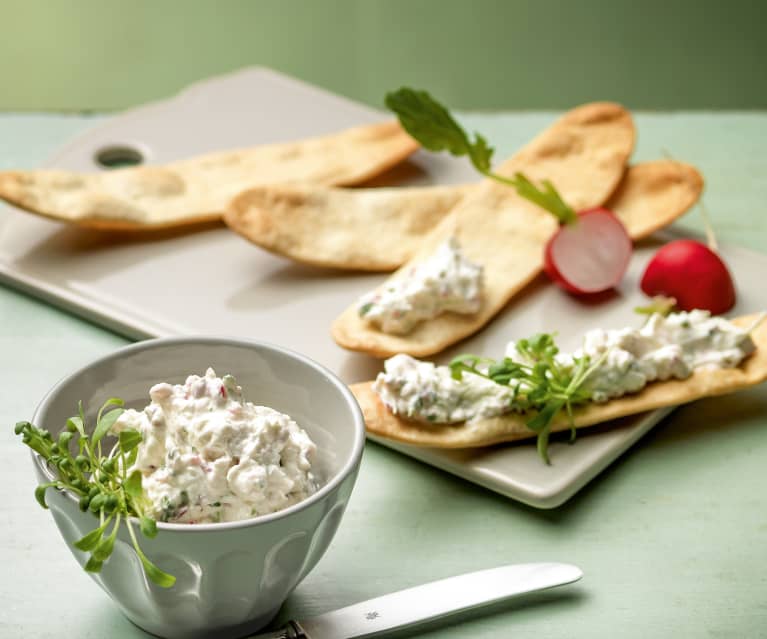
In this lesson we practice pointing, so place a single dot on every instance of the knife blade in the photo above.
(428, 602)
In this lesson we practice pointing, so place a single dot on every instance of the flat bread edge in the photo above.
(156, 197)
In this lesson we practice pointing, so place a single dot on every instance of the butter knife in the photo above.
(428, 602)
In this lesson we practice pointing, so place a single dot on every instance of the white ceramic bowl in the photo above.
(232, 577)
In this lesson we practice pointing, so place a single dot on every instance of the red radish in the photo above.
(693, 274)
(589, 255)
(590, 251)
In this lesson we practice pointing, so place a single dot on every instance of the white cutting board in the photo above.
(211, 281)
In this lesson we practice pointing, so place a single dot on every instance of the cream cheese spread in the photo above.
(626, 360)
(445, 281)
(425, 392)
(664, 348)
(207, 455)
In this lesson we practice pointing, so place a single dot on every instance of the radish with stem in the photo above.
(590, 251)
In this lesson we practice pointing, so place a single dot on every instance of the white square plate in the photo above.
(212, 281)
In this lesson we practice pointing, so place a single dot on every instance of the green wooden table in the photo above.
(672, 538)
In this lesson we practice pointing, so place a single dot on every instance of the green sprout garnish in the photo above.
(659, 304)
(101, 482)
(540, 384)
(432, 126)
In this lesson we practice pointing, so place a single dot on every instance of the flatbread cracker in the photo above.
(654, 194)
(380, 229)
(360, 229)
(584, 154)
(198, 189)
(703, 383)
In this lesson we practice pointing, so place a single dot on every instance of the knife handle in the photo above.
(291, 630)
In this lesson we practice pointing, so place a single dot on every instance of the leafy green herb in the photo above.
(365, 309)
(659, 304)
(435, 129)
(541, 384)
(101, 482)
(432, 125)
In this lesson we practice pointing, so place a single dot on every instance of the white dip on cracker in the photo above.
(628, 359)
(207, 455)
(444, 282)
(425, 392)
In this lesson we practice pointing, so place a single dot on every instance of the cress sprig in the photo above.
(540, 384)
(101, 482)
(658, 305)
(435, 129)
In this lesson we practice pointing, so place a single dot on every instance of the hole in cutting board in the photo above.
(115, 157)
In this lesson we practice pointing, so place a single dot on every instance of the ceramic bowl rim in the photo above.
(349, 467)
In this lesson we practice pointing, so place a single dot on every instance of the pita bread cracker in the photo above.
(361, 229)
(198, 189)
(380, 229)
(584, 154)
(654, 194)
(703, 383)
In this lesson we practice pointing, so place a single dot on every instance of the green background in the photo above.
(76, 55)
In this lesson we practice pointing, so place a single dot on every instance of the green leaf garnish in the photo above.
(101, 482)
(93, 565)
(547, 198)
(40, 494)
(542, 386)
(75, 424)
(153, 572)
(132, 485)
(148, 527)
(129, 439)
(104, 548)
(542, 444)
(106, 545)
(543, 418)
(98, 502)
(432, 126)
(91, 540)
(104, 422)
(659, 304)
(162, 579)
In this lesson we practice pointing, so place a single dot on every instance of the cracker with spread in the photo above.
(584, 154)
(478, 402)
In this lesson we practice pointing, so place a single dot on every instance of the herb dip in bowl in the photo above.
(233, 576)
